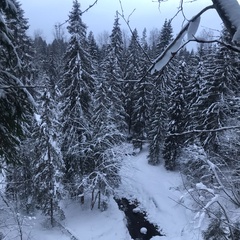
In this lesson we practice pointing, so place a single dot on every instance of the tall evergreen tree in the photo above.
(77, 88)
(141, 95)
(116, 43)
(161, 89)
(219, 85)
(48, 166)
(153, 40)
(112, 67)
(165, 37)
(103, 168)
(16, 76)
(15, 101)
(177, 117)
(94, 50)
(54, 65)
(40, 57)
(132, 74)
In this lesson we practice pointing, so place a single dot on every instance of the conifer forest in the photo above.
(70, 110)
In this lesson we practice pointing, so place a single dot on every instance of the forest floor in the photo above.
(158, 191)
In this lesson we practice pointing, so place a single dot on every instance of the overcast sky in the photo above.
(44, 14)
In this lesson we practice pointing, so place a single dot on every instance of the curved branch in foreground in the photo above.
(229, 12)
(168, 53)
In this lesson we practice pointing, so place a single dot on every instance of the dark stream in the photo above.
(138, 226)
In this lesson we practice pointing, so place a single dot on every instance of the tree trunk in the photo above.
(82, 200)
(99, 199)
(51, 212)
(93, 200)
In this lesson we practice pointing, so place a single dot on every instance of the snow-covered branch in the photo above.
(215, 171)
(229, 46)
(205, 130)
(229, 12)
(170, 51)
(20, 84)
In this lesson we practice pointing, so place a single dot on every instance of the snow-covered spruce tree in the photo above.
(177, 119)
(15, 101)
(153, 41)
(23, 43)
(228, 66)
(157, 126)
(94, 50)
(19, 188)
(77, 88)
(116, 44)
(54, 64)
(112, 69)
(161, 87)
(141, 97)
(40, 58)
(48, 164)
(132, 74)
(165, 37)
(102, 164)
(214, 103)
(191, 88)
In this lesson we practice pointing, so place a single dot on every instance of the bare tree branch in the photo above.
(180, 9)
(127, 21)
(205, 130)
(90, 6)
(229, 46)
(24, 86)
(57, 26)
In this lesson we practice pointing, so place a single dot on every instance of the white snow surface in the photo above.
(193, 27)
(158, 192)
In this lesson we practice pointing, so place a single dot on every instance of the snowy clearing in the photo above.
(158, 192)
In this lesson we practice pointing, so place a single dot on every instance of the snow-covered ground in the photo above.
(156, 189)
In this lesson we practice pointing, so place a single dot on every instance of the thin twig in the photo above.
(180, 9)
(127, 21)
(205, 130)
(66, 21)
(90, 6)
